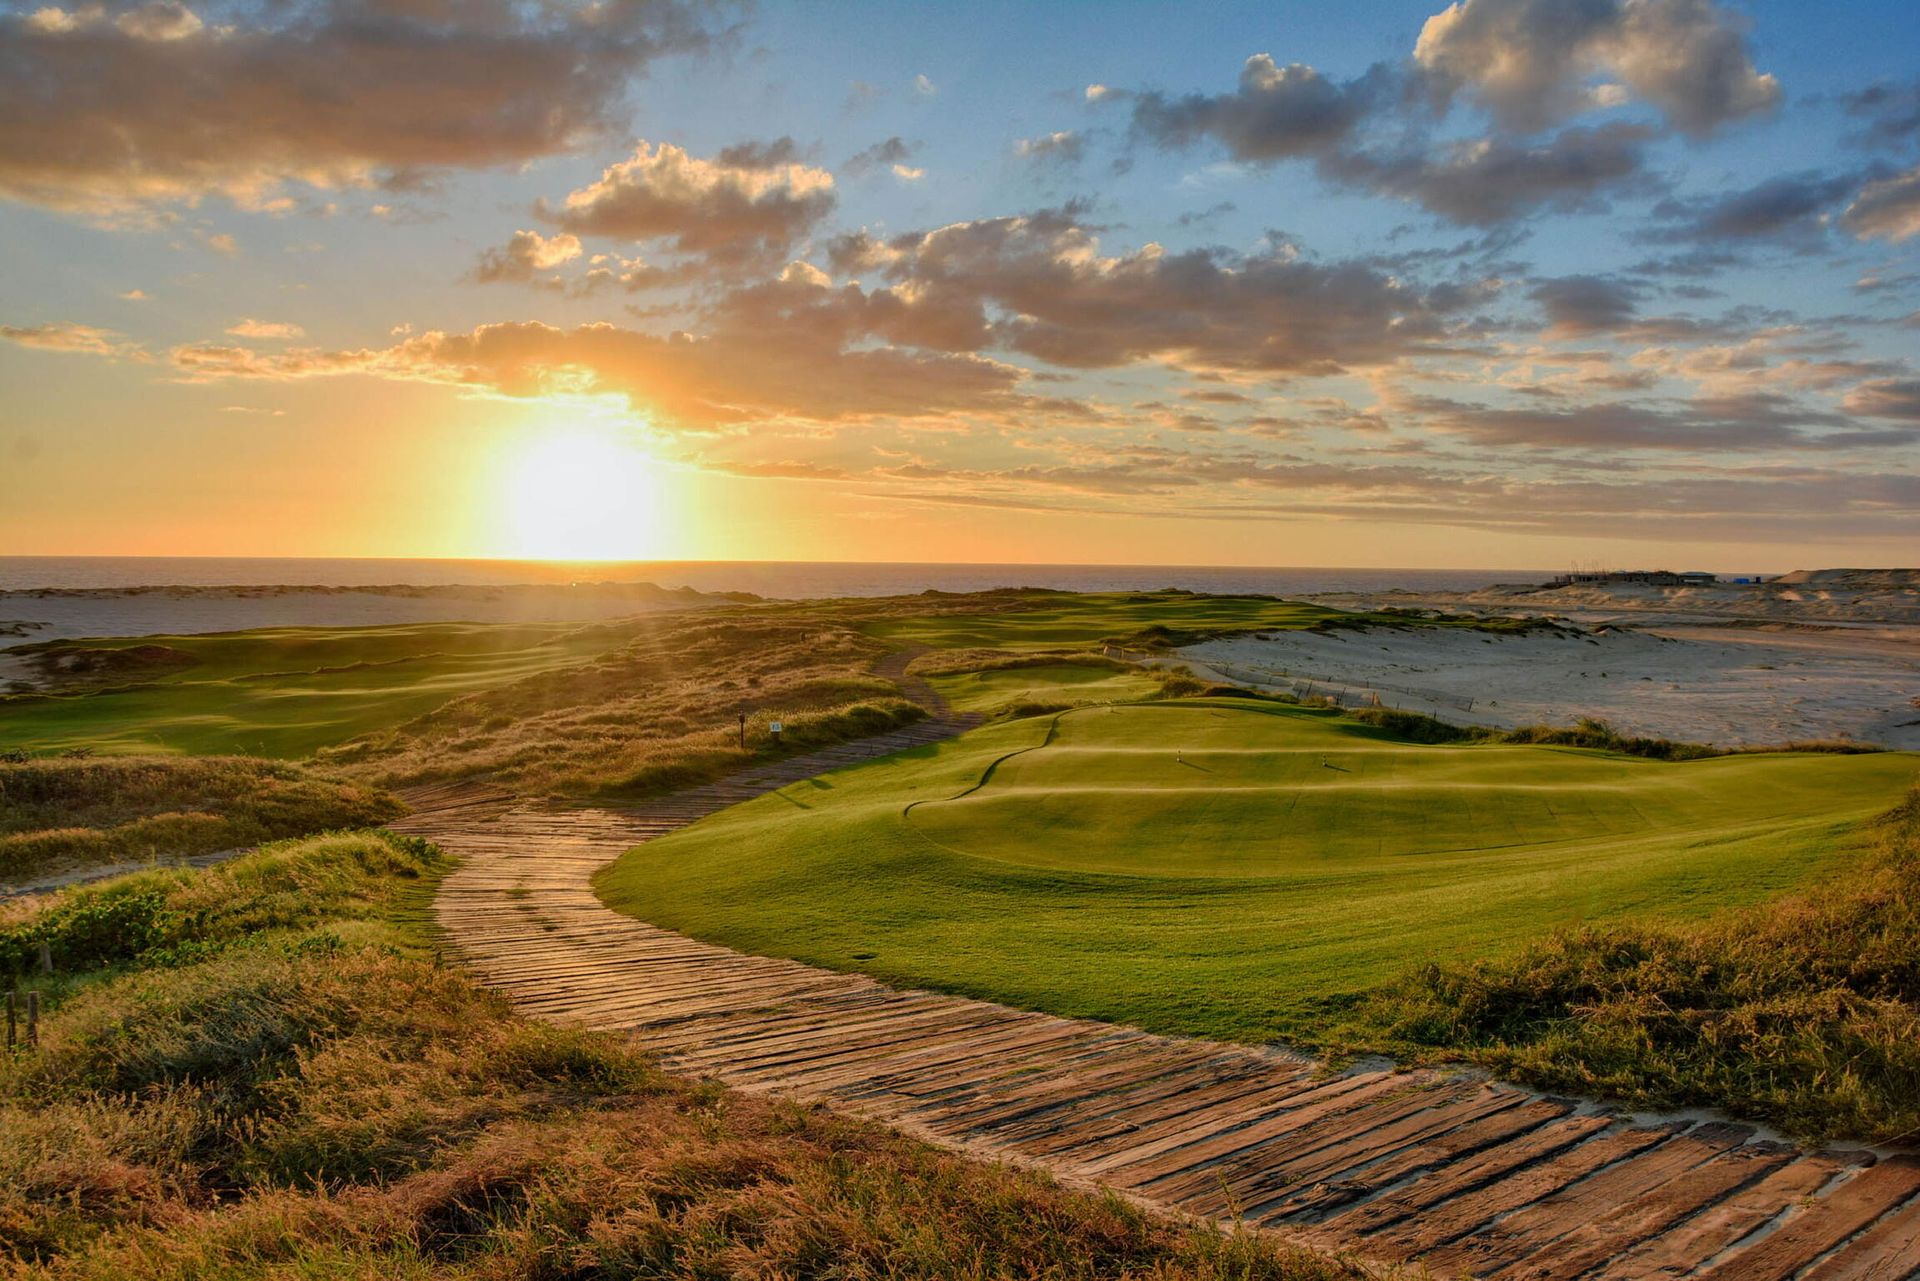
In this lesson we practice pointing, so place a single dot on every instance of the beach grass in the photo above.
(66, 815)
(1232, 868)
(274, 1077)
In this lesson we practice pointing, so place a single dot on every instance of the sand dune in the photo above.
(1727, 685)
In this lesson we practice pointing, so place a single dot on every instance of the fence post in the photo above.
(33, 1018)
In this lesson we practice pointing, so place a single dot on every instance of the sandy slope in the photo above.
(1724, 685)
(1849, 596)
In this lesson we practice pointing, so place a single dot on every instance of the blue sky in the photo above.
(1626, 280)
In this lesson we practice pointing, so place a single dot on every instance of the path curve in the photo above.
(1466, 1176)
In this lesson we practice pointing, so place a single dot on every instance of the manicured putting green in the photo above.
(289, 691)
(1224, 868)
(1054, 685)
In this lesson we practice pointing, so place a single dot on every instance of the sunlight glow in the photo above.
(582, 493)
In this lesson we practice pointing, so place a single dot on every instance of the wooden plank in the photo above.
(1597, 1239)
(1889, 1250)
(1811, 1232)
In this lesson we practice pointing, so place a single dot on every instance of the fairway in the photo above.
(1224, 868)
(286, 692)
(1053, 685)
(1051, 620)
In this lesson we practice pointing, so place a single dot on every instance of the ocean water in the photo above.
(788, 579)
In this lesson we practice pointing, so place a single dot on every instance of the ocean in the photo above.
(787, 579)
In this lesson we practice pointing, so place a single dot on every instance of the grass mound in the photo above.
(1804, 1012)
(57, 815)
(309, 1094)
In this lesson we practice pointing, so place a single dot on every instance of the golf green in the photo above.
(1228, 868)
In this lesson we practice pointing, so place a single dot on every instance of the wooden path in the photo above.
(1467, 1177)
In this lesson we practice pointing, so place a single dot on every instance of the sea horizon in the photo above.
(764, 578)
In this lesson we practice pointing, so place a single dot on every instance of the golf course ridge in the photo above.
(1459, 1173)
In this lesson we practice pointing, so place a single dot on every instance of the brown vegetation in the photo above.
(71, 813)
(311, 1095)
(658, 713)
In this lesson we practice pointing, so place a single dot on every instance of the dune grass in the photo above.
(62, 815)
(280, 1081)
(656, 713)
(1230, 868)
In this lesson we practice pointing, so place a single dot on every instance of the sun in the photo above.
(582, 494)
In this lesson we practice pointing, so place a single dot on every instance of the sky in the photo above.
(1500, 283)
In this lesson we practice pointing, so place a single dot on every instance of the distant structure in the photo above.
(1647, 577)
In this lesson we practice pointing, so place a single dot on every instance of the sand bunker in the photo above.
(1729, 686)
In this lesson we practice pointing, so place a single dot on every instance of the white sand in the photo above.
(1727, 685)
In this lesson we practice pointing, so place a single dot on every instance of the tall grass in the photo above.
(310, 1095)
(1803, 1012)
(60, 814)
(659, 713)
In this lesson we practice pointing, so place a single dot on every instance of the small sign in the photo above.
(775, 727)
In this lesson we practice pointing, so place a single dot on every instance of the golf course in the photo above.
(1235, 868)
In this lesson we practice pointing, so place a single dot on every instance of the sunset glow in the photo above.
(580, 494)
(1408, 283)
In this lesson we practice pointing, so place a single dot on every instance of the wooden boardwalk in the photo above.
(1468, 1177)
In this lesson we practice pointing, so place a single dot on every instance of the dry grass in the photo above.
(1803, 1012)
(656, 714)
(312, 1097)
(57, 815)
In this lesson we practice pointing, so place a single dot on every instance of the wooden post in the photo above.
(33, 1018)
(46, 957)
(743, 731)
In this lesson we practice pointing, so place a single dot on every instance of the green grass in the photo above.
(60, 815)
(1054, 684)
(1053, 620)
(1803, 1011)
(269, 1078)
(276, 692)
(1234, 869)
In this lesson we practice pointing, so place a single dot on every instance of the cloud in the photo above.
(525, 254)
(924, 87)
(1039, 284)
(1886, 210)
(1532, 63)
(134, 295)
(1577, 306)
(1492, 180)
(890, 154)
(107, 108)
(1787, 207)
(1276, 112)
(1892, 113)
(734, 215)
(1062, 147)
(1897, 398)
(62, 336)
(1714, 424)
(279, 331)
